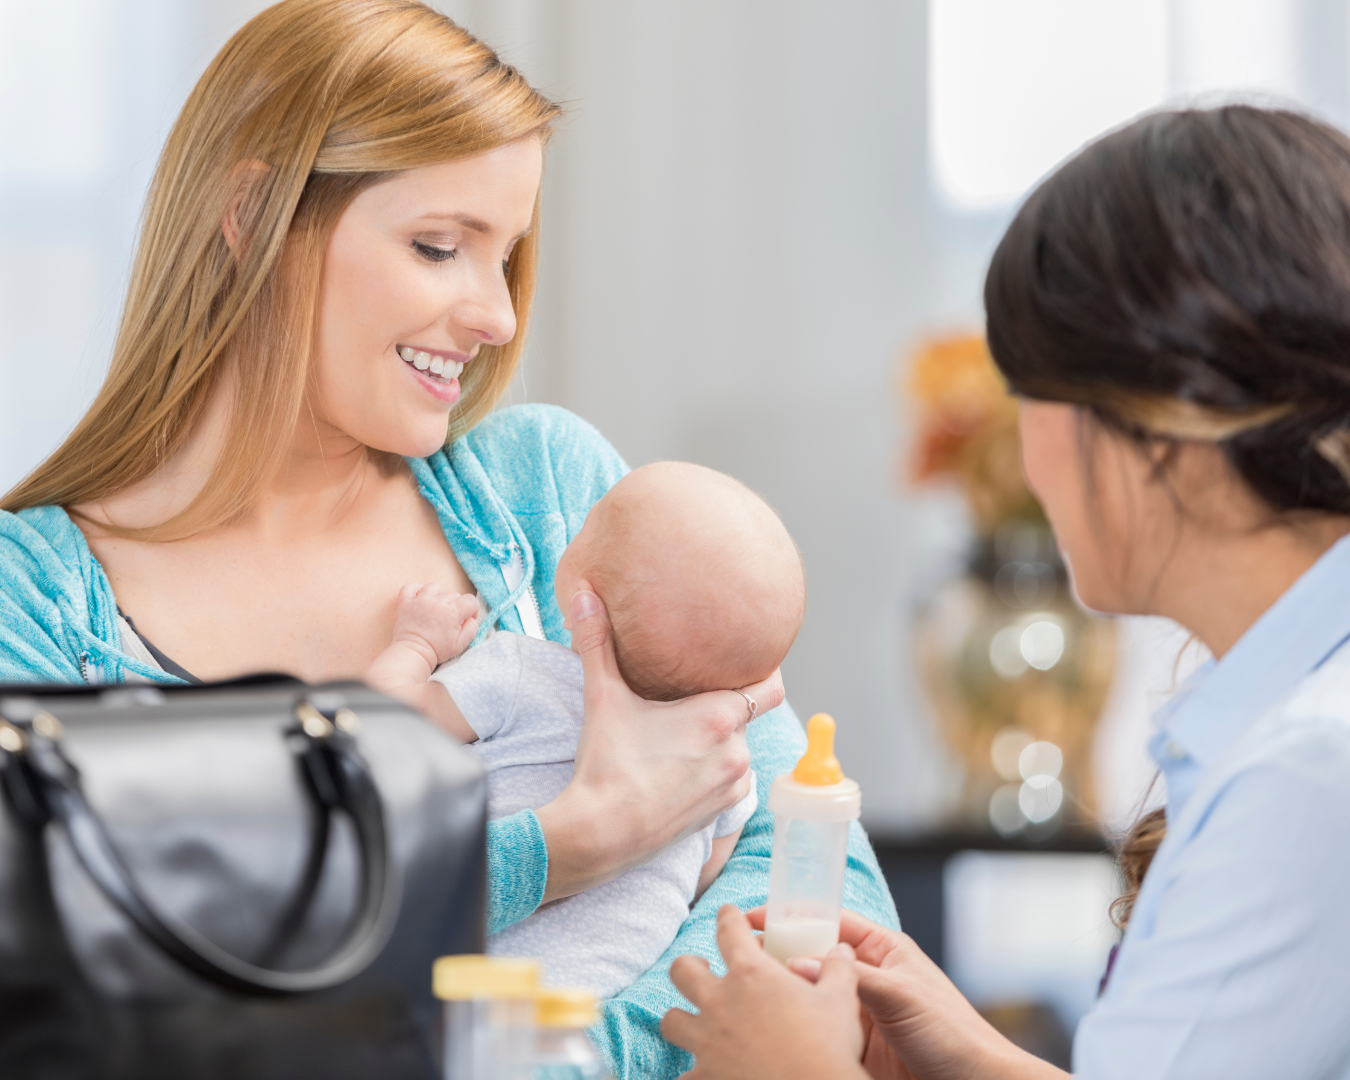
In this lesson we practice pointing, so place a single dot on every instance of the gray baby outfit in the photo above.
(523, 697)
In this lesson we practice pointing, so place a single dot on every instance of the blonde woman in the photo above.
(329, 296)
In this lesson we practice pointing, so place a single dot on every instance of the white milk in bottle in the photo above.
(812, 809)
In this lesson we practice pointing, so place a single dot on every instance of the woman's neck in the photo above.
(320, 477)
(1218, 588)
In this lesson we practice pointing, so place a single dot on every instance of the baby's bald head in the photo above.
(703, 585)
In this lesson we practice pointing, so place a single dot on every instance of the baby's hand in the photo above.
(438, 624)
(430, 627)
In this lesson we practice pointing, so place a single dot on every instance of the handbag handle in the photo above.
(44, 785)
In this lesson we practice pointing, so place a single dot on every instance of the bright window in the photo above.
(1016, 86)
(1237, 45)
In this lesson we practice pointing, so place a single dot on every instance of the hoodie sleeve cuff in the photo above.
(517, 869)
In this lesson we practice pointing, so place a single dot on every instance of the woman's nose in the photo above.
(487, 313)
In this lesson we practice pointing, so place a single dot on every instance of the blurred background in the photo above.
(766, 226)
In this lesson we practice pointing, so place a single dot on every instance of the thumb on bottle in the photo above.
(808, 967)
(838, 971)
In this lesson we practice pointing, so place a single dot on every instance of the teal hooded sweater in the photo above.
(514, 490)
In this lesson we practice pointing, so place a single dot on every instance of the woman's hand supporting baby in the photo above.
(647, 773)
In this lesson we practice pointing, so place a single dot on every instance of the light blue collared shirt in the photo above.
(1237, 958)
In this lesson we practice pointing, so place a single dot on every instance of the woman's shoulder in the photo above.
(564, 438)
(1287, 774)
(37, 540)
(1294, 756)
(537, 422)
(539, 457)
(1321, 699)
(54, 596)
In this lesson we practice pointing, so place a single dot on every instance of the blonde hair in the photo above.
(331, 96)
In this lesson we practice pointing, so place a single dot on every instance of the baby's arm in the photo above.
(430, 627)
(722, 848)
(723, 845)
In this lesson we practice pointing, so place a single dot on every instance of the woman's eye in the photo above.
(432, 253)
(506, 267)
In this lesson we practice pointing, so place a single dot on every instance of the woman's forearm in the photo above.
(592, 837)
(1020, 1065)
(569, 845)
(947, 1049)
(578, 839)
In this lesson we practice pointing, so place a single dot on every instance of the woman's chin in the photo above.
(425, 448)
(425, 440)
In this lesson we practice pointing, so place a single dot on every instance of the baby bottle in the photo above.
(812, 809)
(489, 1016)
(562, 1049)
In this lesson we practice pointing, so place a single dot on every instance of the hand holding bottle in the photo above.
(761, 1020)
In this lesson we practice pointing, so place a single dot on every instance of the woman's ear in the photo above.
(245, 179)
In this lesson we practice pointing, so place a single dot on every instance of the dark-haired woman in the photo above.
(1173, 309)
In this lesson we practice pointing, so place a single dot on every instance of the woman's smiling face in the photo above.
(413, 286)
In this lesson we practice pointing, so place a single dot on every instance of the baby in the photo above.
(705, 591)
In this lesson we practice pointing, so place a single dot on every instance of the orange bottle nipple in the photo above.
(818, 766)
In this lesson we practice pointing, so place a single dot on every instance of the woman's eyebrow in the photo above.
(467, 220)
(470, 222)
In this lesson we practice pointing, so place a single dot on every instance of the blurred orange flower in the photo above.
(967, 429)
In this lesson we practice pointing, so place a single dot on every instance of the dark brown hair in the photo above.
(1188, 278)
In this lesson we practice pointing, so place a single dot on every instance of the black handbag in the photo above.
(242, 880)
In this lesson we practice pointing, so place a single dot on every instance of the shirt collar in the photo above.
(1290, 640)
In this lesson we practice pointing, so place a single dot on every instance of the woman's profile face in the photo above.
(413, 286)
(1112, 520)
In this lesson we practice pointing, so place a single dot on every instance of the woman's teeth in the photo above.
(441, 368)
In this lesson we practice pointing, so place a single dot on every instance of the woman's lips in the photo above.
(439, 364)
(438, 374)
(436, 371)
(443, 391)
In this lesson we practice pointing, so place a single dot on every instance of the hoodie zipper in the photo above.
(527, 605)
(91, 672)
